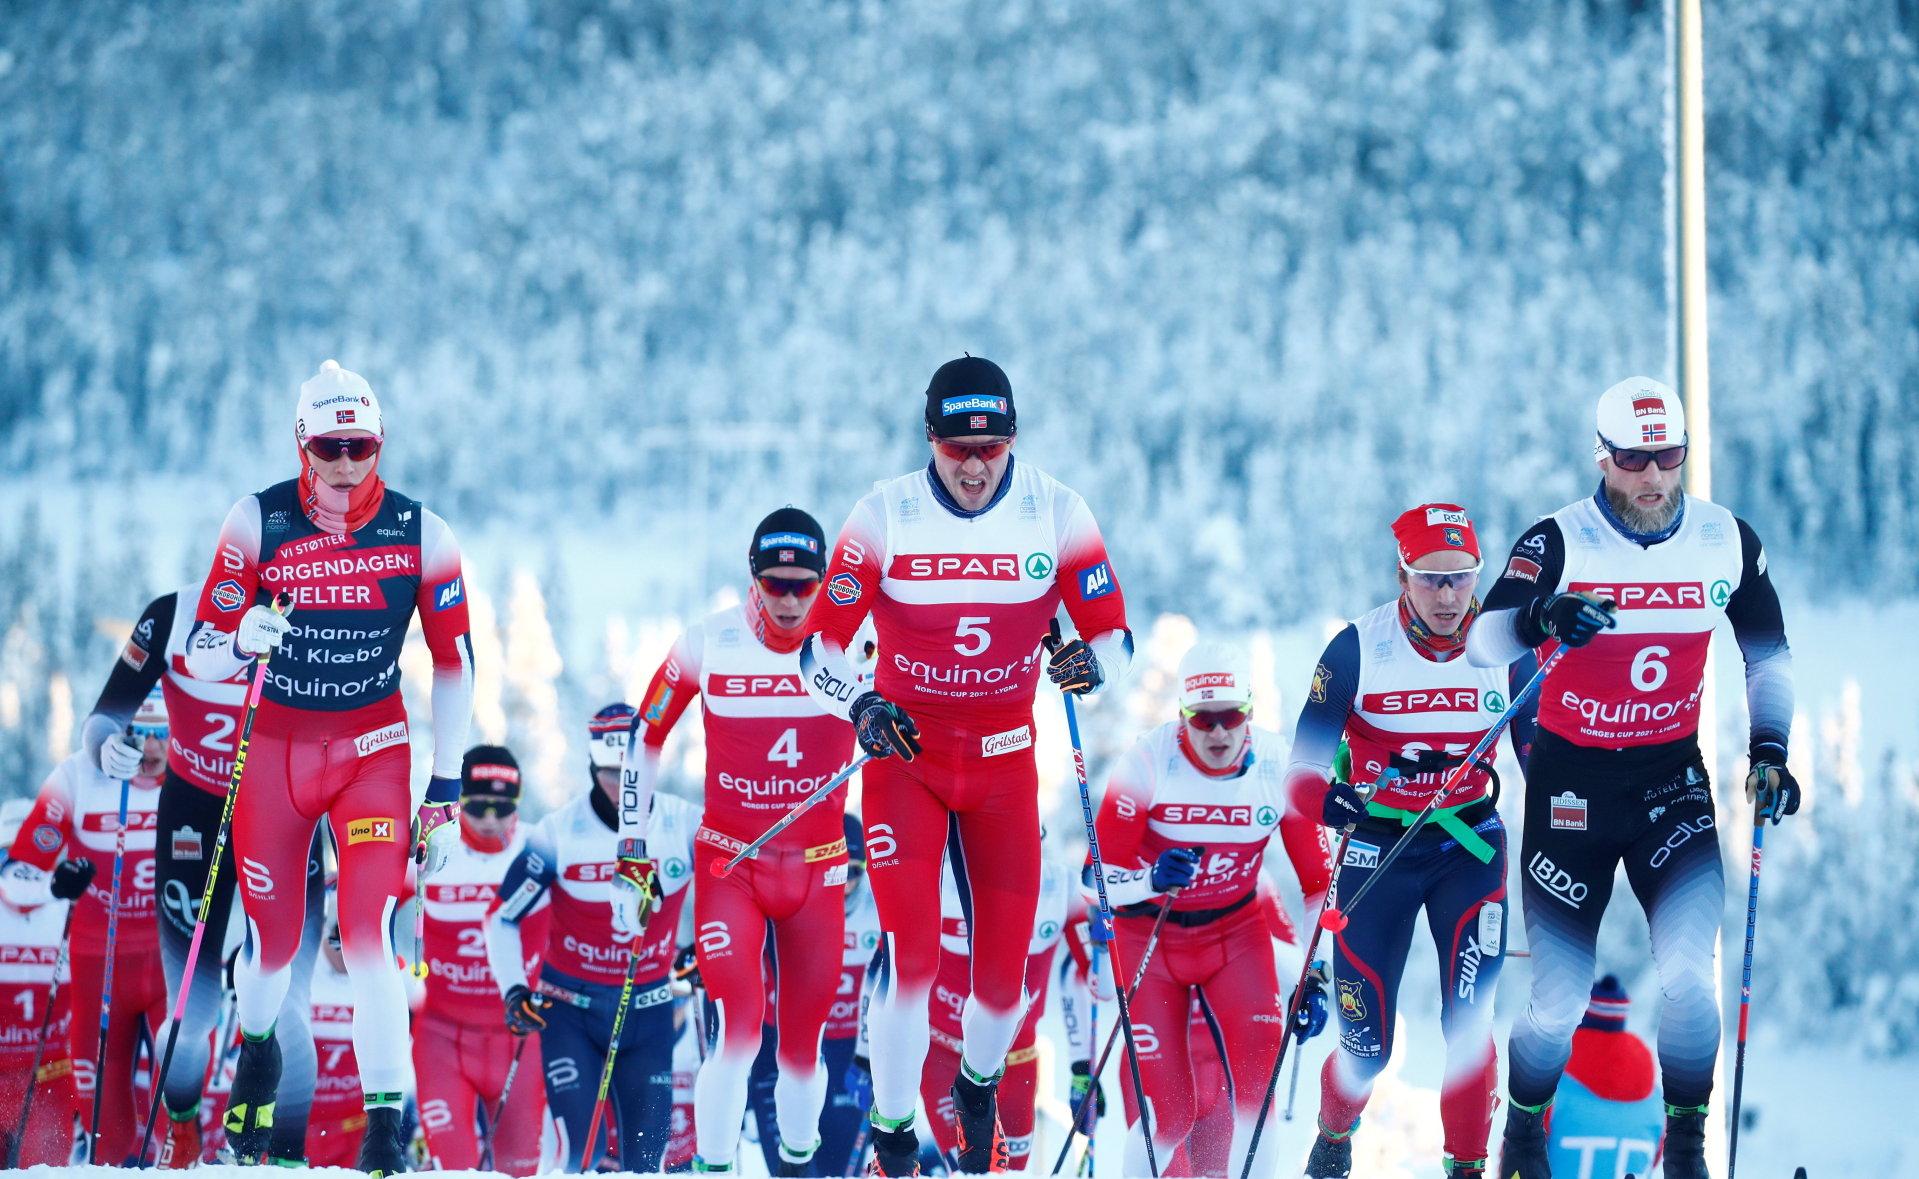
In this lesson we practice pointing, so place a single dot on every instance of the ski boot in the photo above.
(1332, 1157)
(896, 1151)
(1523, 1153)
(249, 1116)
(982, 1147)
(382, 1152)
(794, 1164)
(181, 1147)
(1686, 1142)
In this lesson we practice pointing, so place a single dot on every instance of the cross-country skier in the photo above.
(1635, 576)
(1192, 806)
(845, 1110)
(1607, 1117)
(963, 566)
(29, 954)
(461, 1050)
(1393, 687)
(203, 732)
(768, 746)
(331, 738)
(77, 816)
(338, 1120)
(569, 863)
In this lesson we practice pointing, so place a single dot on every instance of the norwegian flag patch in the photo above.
(1648, 432)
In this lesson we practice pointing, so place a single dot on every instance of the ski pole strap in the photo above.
(1447, 819)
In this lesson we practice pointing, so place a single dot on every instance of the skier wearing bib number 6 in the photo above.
(1393, 687)
(962, 565)
(768, 746)
(1635, 576)
(330, 738)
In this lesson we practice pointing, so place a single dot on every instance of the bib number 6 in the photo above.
(1648, 673)
(972, 628)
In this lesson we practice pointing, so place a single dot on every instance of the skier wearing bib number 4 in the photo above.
(962, 565)
(1635, 576)
(768, 746)
(1393, 687)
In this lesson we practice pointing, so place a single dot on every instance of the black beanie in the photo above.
(970, 395)
(490, 771)
(789, 538)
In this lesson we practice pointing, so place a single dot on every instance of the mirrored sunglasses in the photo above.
(1208, 719)
(781, 587)
(959, 452)
(1637, 460)
(328, 448)
(1439, 580)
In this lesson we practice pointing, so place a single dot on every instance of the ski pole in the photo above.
(724, 868)
(39, 1049)
(613, 1042)
(499, 1111)
(856, 1161)
(1292, 1087)
(1052, 643)
(106, 978)
(282, 602)
(1139, 976)
(1762, 808)
(1086, 1160)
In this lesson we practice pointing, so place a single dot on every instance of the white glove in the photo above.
(120, 757)
(261, 629)
(434, 834)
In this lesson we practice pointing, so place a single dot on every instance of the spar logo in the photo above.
(1422, 700)
(956, 567)
(754, 685)
(1199, 812)
(1647, 595)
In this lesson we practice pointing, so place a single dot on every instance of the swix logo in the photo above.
(258, 879)
(454, 894)
(955, 567)
(714, 937)
(1422, 700)
(1557, 880)
(754, 685)
(1469, 959)
(588, 873)
(1646, 595)
(1199, 812)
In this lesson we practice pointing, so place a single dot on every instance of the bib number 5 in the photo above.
(971, 628)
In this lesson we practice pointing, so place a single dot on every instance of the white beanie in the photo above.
(1640, 411)
(333, 400)
(1213, 674)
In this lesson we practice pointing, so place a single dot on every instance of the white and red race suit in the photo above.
(338, 1121)
(960, 601)
(77, 815)
(768, 746)
(1159, 796)
(29, 954)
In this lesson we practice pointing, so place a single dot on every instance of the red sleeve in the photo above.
(234, 580)
(48, 826)
(1305, 838)
(1087, 584)
(852, 577)
(1121, 824)
(441, 600)
(674, 685)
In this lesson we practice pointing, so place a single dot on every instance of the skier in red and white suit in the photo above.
(337, 1122)
(77, 814)
(461, 1051)
(29, 953)
(963, 566)
(330, 738)
(768, 746)
(1192, 806)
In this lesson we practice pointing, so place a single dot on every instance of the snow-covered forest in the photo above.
(628, 275)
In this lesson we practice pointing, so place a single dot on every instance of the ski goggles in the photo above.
(1208, 719)
(1668, 459)
(142, 732)
(785, 587)
(1442, 579)
(986, 452)
(328, 448)
(488, 808)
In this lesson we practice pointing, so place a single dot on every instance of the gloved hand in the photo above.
(434, 831)
(1072, 665)
(857, 1081)
(883, 728)
(1770, 785)
(1344, 806)
(686, 971)
(70, 879)
(1175, 868)
(261, 629)
(1084, 1083)
(1574, 619)
(524, 1007)
(636, 888)
(120, 756)
(1310, 1019)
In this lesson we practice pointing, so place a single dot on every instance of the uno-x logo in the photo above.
(714, 937)
(259, 880)
(881, 847)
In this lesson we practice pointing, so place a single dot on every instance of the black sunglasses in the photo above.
(780, 587)
(1637, 460)
(480, 808)
(328, 448)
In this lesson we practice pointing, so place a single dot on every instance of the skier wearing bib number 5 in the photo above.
(768, 746)
(962, 565)
(1635, 576)
(1393, 687)
(331, 735)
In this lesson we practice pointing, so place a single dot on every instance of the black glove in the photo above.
(70, 879)
(1309, 1019)
(1574, 619)
(1072, 665)
(883, 728)
(686, 965)
(1084, 1083)
(1344, 806)
(1175, 868)
(1770, 785)
(523, 1010)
